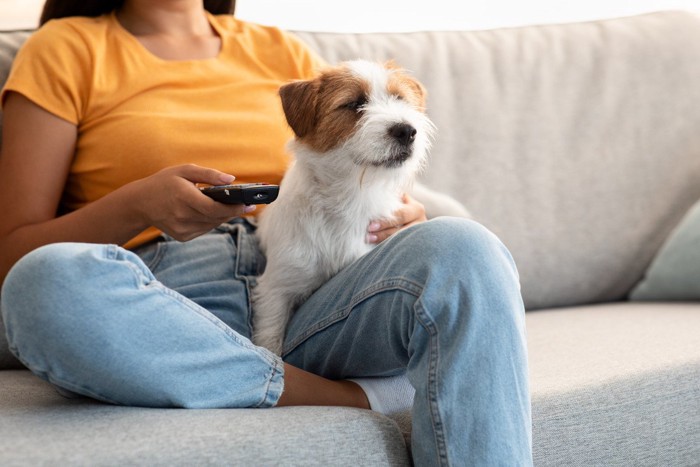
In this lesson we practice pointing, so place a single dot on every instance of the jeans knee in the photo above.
(467, 266)
(456, 257)
(43, 280)
(460, 242)
(41, 270)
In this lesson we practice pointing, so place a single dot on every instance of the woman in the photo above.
(104, 113)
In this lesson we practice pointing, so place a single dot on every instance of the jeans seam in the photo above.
(230, 333)
(269, 358)
(141, 278)
(397, 283)
(277, 369)
(433, 381)
(236, 272)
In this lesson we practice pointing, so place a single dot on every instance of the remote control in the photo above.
(244, 193)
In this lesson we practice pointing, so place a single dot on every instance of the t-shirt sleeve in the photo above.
(52, 70)
(308, 62)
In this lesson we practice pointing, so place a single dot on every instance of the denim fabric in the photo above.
(94, 320)
(442, 302)
(169, 327)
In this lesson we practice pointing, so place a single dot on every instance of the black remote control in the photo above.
(244, 193)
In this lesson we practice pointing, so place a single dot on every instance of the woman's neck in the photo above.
(171, 29)
(175, 18)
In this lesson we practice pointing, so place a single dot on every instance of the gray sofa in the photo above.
(579, 145)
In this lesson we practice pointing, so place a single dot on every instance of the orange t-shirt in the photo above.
(137, 113)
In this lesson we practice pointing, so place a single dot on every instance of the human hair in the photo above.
(54, 9)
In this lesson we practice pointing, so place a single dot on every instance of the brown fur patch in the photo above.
(298, 102)
(321, 112)
(407, 88)
(318, 110)
(335, 120)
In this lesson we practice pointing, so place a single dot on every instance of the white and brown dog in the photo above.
(361, 138)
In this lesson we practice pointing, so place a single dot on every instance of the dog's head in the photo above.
(373, 113)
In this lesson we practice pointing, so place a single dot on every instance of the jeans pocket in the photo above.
(250, 262)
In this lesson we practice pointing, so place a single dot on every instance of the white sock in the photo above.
(388, 395)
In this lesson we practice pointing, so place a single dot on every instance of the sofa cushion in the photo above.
(40, 427)
(577, 144)
(611, 384)
(616, 384)
(674, 274)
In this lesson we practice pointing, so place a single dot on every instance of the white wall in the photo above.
(401, 15)
(407, 15)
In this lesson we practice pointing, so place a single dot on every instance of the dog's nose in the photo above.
(403, 132)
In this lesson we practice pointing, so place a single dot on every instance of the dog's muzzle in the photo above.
(404, 133)
(401, 136)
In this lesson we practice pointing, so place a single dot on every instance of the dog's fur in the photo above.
(361, 137)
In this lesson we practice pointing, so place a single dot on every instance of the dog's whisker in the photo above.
(362, 175)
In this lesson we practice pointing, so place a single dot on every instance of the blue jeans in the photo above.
(169, 326)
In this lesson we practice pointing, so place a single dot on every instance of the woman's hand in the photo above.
(410, 213)
(170, 201)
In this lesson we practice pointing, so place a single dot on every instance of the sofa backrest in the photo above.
(577, 144)
(9, 44)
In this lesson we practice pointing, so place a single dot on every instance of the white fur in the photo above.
(318, 225)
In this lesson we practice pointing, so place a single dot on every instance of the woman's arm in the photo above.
(37, 151)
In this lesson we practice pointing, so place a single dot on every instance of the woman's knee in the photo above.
(53, 296)
(457, 241)
(46, 271)
(51, 278)
(467, 265)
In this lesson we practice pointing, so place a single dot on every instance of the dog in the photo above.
(361, 137)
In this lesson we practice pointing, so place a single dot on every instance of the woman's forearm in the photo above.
(112, 219)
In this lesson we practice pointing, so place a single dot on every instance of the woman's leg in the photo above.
(97, 321)
(442, 302)
(92, 319)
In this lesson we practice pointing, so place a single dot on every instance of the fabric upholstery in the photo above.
(616, 384)
(675, 272)
(577, 144)
(39, 427)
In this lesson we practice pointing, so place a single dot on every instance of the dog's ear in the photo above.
(299, 104)
(419, 91)
(409, 87)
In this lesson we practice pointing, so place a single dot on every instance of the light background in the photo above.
(402, 15)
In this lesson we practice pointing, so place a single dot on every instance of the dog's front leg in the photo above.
(273, 304)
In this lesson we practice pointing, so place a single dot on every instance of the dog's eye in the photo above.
(355, 105)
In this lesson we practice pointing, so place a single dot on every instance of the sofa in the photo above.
(579, 146)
